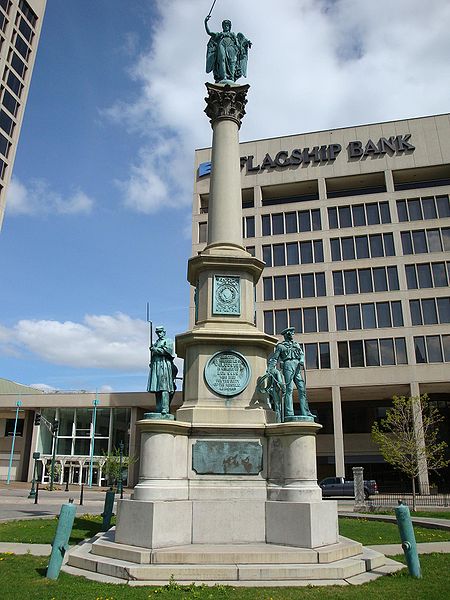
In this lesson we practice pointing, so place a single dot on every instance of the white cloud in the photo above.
(43, 387)
(39, 199)
(312, 66)
(115, 342)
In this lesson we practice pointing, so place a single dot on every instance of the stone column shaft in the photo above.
(338, 432)
(225, 203)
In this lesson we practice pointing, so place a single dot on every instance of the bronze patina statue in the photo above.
(227, 53)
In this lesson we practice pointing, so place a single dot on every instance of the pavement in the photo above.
(15, 504)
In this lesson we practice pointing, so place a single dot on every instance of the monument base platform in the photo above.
(252, 565)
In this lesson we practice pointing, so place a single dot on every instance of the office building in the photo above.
(354, 227)
(20, 28)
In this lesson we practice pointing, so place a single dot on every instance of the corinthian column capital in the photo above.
(226, 101)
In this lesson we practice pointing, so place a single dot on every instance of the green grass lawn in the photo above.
(370, 532)
(42, 531)
(433, 514)
(24, 577)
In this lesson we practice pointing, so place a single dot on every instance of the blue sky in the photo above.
(98, 215)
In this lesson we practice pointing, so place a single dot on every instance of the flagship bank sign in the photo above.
(356, 150)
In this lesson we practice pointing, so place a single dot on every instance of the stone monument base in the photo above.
(161, 524)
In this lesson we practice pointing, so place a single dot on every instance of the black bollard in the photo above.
(81, 494)
(67, 486)
(107, 513)
(37, 493)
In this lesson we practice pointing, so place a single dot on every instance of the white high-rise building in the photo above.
(20, 28)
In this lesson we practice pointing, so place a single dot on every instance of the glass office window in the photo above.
(309, 320)
(429, 208)
(419, 241)
(267, 255)
(322, 318)
(406, 242)
(359, 216)
(416, 315)
(439, 274)
(444, 310)
(372, 354)
(351, 282)
(280, 321)
(294, 286)
(311, 356)
(356, 353)
(419, 348)
(343, 355)
(306, 253)
(443, 206)
(320, 284)
(341, 323)
(400, 351)
(268, 322)
(376, 245)
(379, 279)
(434, 241)
(332, 218)
(415, 210)
(338, 283)
(397, 314)
(389, 248)
(348, 248)
(368, 316)
(280, 291)
(365, 280)
(385, 212)
(411, 278)
(278, 255)
(393, 278)
(316, 221)
(318, 250)
(308, 285)
(265, 222)
(383, 314)
(292, 254)
(446, 347)
(362, 246)
(434, 349)
(401, 210)
(387, 351)
(345, 219)
(304, 220)
(429, 312)
(291, 222)
(295, 319)
(277, 224)
(335, 249)
(324, 351)
(353, 316)
(373, 217)
(267, 288)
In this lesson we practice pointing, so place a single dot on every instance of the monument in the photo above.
(227, 490)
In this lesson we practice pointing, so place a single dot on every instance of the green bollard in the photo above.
(408, 538)
(107, 513)
(60, 543)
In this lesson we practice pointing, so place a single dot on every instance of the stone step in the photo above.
(82, 558)
(224, 554)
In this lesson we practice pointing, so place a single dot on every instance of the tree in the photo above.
(408, 437)
(112, 465)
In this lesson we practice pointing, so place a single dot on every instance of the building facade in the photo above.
(20, 28)
(354, 227)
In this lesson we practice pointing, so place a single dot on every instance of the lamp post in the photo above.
(54, 430)
(36, 456)
(18, 405)
(94, 418)
(120, 482)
